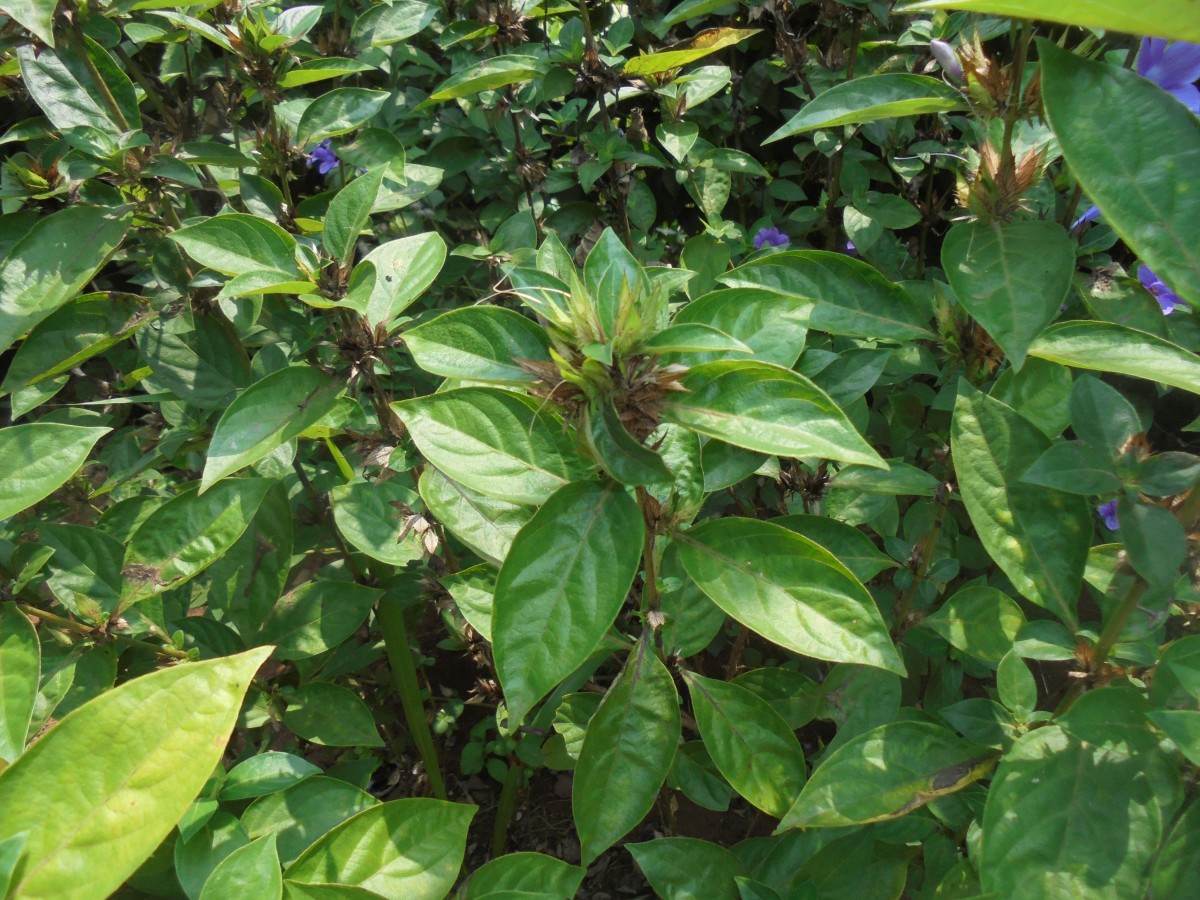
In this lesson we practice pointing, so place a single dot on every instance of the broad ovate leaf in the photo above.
(152, 742)
(788, 589)
(561, 587)
(37, 459)
(1039, 536)
(767, 409)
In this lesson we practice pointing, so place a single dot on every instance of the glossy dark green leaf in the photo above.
(978, 620)
(872, 97)
(900, 479)
(329, 714)
(237, 243)
(250, 871)
(1068, 818)
(73, 334)
(701, 45)
(1015, 686)
(627, 752)
(267, 414)
(494, 442)
(694, 337)
(771, 324)
(489, 74)
(1154, 540)
(317, 616)
(1037, 535)
(1176, 874)
(788, 589)
(683, 868)
(205, 366)
(348, 214)
(887, 773)
(20, 671)
(561, 586)
(1106, 347)
(750, 743)
(850, 296)
(37, 459)
(1172, 19)
(189, 533)
(86, 568)
(339, 111)
(1011, 277)
(487, 525)
(617, 451)
(767, 409)
(204, 849)
(35, 16)
(1132, 146)
(65, 86)
(534, 876)
(410, 848)
(694, 773)
(38, 276)
(482, 343)
(372, 517)
(793, 695)
(852, 547)
(154, 741)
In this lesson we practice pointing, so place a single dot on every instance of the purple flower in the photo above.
(1166, 297)
(1092, 212)
(851, 250)
(323, 157)
(1108, 512)
(1173, 67)
(772, 236)
(947, 59)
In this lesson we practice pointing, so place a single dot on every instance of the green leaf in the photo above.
(900, 479)
(618, 452)
(20, 671)
(489, 74)
(1015, 686)
(561, 587)
(404, 268)
(71, 96)
(1154, 541)
(187, 534)
(772, 325)
(267, 414)
(410, 848)
(204, 367)
(683, 868)
(1106, 347)
(530, 876)
(35, 16)
(386, 24)
(37, 459)
(870, 98)
(855, 550)
(788, 589)
(851, 297)
(153, 743)
(1131, 145)
(1066, 818)
(1174, 19)
(768, 409)
(980, 621)
(37, 276)
(338, 112)
(313, 70)
(1075, 468)
(317, 616)
(494, 442)
(1101, 416)
(250, 871)
(486, 525)
(1011, 277)
(236, 243)
(371, 517)
(750, 743)
(886, 773)
(299, 815)
(1176, 874)
(706, 42)
(683, 337)
(86, 569)
(73, 334)
(348, 214)
(329, 714)
(677, 138)
(1037, 535)
(265, 773)
(627, 752)
(481, 343)
(474, 592)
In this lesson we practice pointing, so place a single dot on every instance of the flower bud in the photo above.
(947, 59)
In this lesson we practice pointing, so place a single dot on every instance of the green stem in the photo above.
(650, 585)
(1013, 110)
(86, 630)
(507, 807)
(928, 548)
(80, 45)
(390, 613)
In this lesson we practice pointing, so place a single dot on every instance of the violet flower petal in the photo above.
(1108, 512)
(1166, 297)
(1092, 212)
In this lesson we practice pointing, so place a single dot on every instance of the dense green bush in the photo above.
(732, 416)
